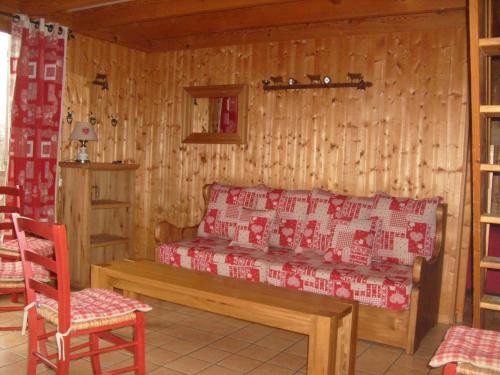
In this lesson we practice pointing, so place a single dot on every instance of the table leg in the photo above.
(322, 346)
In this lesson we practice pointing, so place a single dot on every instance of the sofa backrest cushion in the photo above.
(324, 209)
(352, 241)
(291, 214)
(253, 228)
(224, 206)
(408, 228)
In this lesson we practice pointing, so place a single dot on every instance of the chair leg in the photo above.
(63, 365)
(32, 348)
(95, 359)
(140, 356)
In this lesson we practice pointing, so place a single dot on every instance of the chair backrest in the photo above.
(57, 265)
(12, 203)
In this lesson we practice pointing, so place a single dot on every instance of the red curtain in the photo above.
(37, 72)
(229, 114)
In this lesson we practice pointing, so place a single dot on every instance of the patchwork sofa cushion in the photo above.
(291, 214)
(385, 285)
(253, 228)
(222, 212)
(324, 209)
(216, 256)
(352, 241)
(408, 228)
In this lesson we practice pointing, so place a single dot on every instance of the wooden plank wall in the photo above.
(405, 135)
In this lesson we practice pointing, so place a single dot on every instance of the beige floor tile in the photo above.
(259, 353)
(252, 333)
(229, 344)
(299, 348)
(274, 342)
(11, 339)
(209, 354)
(218, 370)
(161, 356)
(7, 357)
(238, 363)
(181, 346)
(376, 360)
(361, 347)
(188, 365)
(290, 361)
(190, 334)
(165, 371)
(268, 369)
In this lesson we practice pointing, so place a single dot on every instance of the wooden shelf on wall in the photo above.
(105, 239)
(361, 85)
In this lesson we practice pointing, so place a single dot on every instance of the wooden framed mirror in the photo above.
(215, 114)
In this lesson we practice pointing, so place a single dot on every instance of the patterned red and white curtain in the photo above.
(37, 74)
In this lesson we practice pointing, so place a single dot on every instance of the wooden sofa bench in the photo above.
(329, 322)
(400, 328)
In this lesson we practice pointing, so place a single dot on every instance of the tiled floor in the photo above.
(181, 340)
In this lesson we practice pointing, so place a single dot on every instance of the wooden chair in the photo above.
(9, 248)
(89, 312)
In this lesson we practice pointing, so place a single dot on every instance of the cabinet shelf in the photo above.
(108, 203)
(106, 239)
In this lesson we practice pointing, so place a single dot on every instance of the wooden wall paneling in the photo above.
(404, 135)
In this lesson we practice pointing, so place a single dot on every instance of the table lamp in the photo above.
(83, 132)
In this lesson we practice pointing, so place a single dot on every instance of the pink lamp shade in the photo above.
(83, 131)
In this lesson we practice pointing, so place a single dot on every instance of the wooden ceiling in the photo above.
(153, 25)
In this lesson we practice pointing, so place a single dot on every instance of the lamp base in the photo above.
(83, 156)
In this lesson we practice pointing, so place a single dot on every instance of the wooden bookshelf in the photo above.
(97, 208)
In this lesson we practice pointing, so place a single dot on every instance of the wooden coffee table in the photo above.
(329, 322)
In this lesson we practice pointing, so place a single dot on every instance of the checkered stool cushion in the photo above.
(13, 272)
(38, 245)
(91, 306)
(480, 348)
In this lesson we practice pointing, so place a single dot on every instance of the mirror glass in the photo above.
(215, 114)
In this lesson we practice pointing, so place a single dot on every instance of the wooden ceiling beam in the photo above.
(147, 10)
(302, 11)
(445, 20)
(36, 8)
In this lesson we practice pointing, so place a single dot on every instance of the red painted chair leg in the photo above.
(140, 356)
(95, 359)
(63, 364)
(450, 369)
(32, 346)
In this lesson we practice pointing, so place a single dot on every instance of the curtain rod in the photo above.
(49, 26)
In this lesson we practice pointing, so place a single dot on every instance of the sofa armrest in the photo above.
(166, 232)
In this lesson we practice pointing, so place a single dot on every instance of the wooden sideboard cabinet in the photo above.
(97, 206)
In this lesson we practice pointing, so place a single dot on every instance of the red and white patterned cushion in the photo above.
(92, 304)
(13, 272)
(352, 241)
(222, 212)
(324, 208)
(478, 347)
(38, 245)
(291, 214)
(252, 229)
(384, 285)
(216, 256)
(408, 228)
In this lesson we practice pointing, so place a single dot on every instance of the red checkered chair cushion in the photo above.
(252, 229)
(38, 245)
(478, 347)
(408, 228)
(216, 256)
(324, 209)
(92, 304)
(385, 285)
(352, 241)
(291, 214)
(13, 272)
